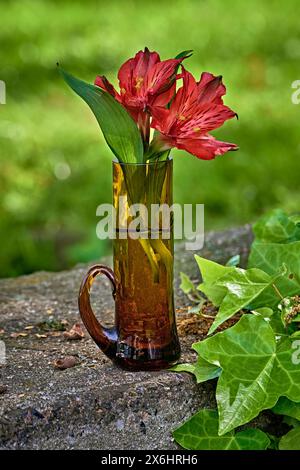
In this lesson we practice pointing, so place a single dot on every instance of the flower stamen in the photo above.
(139, 82)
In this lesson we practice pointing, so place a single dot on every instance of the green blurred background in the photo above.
(55, 167)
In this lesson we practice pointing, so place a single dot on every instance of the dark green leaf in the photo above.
(277, 325)
(284, 406)
(201, 433)
(185, 54)
(119, 129)
(293, 422)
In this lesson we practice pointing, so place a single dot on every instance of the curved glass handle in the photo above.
(105, 338)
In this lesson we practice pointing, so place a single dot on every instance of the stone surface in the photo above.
(93, 405)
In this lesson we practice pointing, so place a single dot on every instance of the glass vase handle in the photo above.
(105, 338)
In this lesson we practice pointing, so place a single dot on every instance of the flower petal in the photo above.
(145, 61)
(205, 147)
(102, 82)
(210, 89)
(133, 72)
(162, 75)
(206, 118)
(164, 98)
(160, 117)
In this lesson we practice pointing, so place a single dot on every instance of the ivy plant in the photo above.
(255, 362)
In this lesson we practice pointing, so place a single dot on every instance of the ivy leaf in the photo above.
(232, 288)
(186, 284)
(277, 325)
(119, 129)
(270, 257)
(202, 370)
(201, 433)
(291, 440)
(242, 287)
(277, 241)
(276, 227)
(286, 407)
(256, 370)
(211, 272)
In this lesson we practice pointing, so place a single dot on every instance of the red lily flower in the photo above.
(196, 109)
(144, 81)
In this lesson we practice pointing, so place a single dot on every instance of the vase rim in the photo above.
(167, 161)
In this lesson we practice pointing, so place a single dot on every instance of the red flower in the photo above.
(196, 109)
(144, 81)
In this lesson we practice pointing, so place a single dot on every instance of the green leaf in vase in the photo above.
(201, 433)
(291, 440)
(119, 129)
(256, 370)
(201, 369)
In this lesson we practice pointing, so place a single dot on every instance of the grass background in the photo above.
(55, 167)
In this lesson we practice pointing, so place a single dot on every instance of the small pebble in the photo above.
(66, 362)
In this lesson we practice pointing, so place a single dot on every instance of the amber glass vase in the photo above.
(144, 336)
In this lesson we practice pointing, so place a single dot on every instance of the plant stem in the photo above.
(277, 291)
(204, 315)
